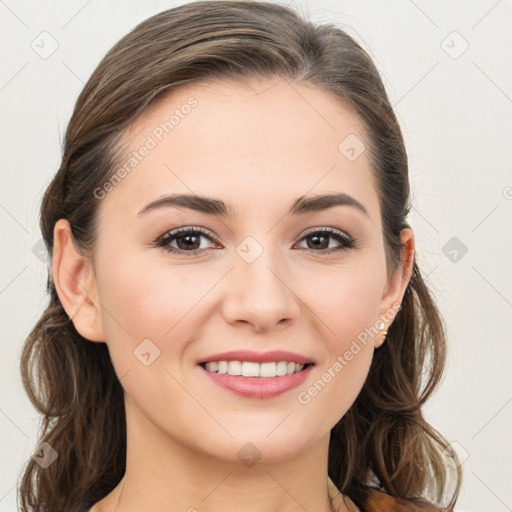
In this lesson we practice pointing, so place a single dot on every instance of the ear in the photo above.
(397, 283)
(75, 283)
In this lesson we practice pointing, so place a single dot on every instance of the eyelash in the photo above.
(164, 240)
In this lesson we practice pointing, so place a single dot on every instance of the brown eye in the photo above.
(188, 240)
(319, 241)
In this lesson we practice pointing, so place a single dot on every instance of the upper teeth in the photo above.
(250, 369)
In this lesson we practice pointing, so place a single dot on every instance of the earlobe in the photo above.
(396, 286)
(75, 283)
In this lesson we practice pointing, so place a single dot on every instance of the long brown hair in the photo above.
(383, 437)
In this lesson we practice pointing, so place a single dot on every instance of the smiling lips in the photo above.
(257, 375)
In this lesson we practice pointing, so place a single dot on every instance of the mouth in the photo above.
(256, 381)
(251, 369)
(252, 374)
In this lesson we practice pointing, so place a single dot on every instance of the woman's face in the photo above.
(258, 277)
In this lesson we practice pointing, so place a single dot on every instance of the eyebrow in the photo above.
(210, 206)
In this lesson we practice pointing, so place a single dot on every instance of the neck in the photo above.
(164, 474)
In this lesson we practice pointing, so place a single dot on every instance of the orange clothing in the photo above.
(378, 501)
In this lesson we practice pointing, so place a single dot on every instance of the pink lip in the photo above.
(258, 357)
(258, 387)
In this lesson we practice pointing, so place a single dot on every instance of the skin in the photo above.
(258, 147)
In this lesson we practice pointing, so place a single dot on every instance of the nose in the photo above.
(259, 294)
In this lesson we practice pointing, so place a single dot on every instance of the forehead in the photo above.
(264, 142)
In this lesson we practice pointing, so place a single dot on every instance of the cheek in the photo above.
(346, 301)
(336, 385)
(138, 308)
(143, 298)
(148, 300)
(135, 308)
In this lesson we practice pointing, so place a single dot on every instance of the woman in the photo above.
(237, 320)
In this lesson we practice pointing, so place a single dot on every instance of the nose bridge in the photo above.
(258, 291)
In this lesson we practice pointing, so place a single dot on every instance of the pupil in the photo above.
(316, 237)
(188, 244)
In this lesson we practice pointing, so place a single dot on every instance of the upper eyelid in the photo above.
(326, 229)
(186, 229)
(205, 231)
